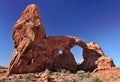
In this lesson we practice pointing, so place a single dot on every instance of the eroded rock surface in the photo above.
(94, 58)
(34, 52)
(104, 63)
(90, 55)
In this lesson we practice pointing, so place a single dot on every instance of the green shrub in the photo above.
(24, 80)
(91, 79)
(16, 80)
(68, 72)
(86, 80)
(30, 76)
(95, 79)
(80, 73)
(63, 71)
(86, 75)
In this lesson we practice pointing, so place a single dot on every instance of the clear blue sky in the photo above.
(90, 20)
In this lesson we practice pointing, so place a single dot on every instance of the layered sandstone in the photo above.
(94, 59)
(90, 56)
(104, 63)
(34, 52)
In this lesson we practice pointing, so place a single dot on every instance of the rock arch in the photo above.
(34, 52)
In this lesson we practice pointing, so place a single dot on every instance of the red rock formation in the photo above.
(28, 31)
(94, 58)
(34, 52)
(90, 56)
(3, 67)
(104, 63)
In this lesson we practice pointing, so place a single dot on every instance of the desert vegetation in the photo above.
(50, 76)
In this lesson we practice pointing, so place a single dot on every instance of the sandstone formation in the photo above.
(90, 55)
(34, 52)
(104, 63)
(94, 59)
(3, 67)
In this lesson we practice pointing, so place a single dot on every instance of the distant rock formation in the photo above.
(3, 67)
(34, 52)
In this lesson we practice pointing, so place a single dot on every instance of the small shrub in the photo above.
(64, 80)
(86, 80)
(16, 80)
(95, 79)
(36, 75)
(81, 72)
(47, 71)
(25, 80)
(86, 75)
(68, 72)
(91, 79)
(63, 71)
(29, 76)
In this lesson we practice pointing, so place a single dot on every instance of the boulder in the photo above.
(104, 63)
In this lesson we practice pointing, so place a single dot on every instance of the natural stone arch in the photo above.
(34, 52)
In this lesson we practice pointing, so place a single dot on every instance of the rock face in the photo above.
(28, 31)
(90, 55)
(94, 59)
(104, 63)
(34, 52)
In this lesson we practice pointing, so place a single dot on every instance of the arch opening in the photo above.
(60, 52)
(77, 53)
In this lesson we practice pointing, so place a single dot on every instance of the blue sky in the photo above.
(89, 20)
